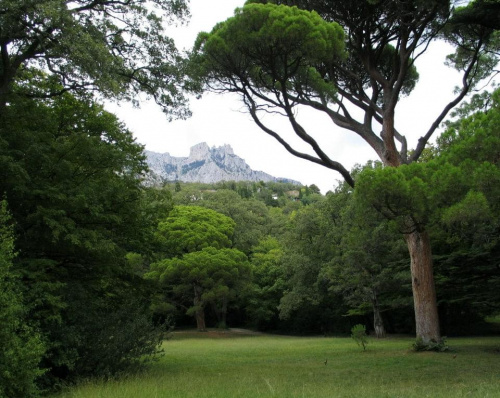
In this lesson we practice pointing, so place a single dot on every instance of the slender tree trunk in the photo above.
(378, 323)
(200, 320)
(200, 311)
(221, 312)
(224, 311)
(424, 291)
(216, 311)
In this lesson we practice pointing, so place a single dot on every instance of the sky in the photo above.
(220, 119)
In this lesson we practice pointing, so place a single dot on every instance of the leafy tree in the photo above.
(115, 47)
(314, 189)
(368, 268)
(310, 243)
(454, 194)
(466, 221)
(251, 216)
(485, 13)
(199, 238)
(402, 195)
(279, 58)
(268, 283)
(73, 178)
(215, 276)
(22, 347)
(191, 228)
(156, 206)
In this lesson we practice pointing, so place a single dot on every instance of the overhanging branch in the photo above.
(325, 162)
(422, 142)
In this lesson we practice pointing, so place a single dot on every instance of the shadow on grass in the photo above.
(184, 334)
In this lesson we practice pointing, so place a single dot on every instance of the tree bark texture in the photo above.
(424, 291)
(378, 323)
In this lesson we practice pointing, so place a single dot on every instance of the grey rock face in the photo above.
(204, 164)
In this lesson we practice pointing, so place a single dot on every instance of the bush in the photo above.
(103, 333)
(358, 334)
(113, 336)
(438, 346)
(21, 347)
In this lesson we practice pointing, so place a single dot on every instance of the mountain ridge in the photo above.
(204, 164)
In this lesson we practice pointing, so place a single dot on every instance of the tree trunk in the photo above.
(378, 323)
(424, 291)
(199, 310)
(221, 312)
(224, 311)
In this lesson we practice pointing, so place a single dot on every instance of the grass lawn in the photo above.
(236, 365)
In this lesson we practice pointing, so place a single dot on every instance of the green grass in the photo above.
(224, 365)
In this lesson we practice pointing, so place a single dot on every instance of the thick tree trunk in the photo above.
(378, 323)
(424, 291)
(200, 311)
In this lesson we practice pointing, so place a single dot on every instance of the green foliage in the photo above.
(279, 57)
(268, 283)
(277, 48)
(261, 191)
(250, 215)
(22, 347)
(217, 276)
(306, 251)
(474, 31)
(115, 334)
(466, 219)
(253, 206)
(338, 256)
(454, 195)
(73, 174)
(358, 334)
(469, 221)
(398, 193)
(199, 238)
(192, 228)
(119, 49)
(73, 178)
(337, 251)
(437, 346)
(370, 269)
(309, 244)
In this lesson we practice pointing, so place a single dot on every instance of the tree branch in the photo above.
(323, 161)
(422, 142)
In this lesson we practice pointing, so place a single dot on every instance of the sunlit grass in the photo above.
(197, 365)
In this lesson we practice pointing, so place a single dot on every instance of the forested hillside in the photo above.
(317, 258)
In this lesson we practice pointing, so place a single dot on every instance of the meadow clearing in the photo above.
(238, 364)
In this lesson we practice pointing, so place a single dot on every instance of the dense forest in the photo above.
(96, 268)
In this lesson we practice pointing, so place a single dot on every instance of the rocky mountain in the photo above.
(204, 164)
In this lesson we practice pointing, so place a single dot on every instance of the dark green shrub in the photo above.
(21, 348)
(358, 334)
(438, 346)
